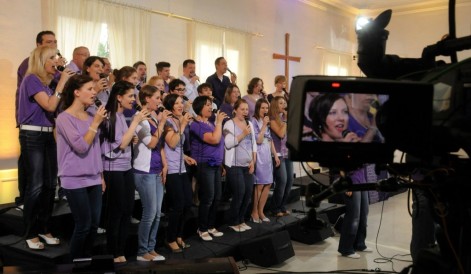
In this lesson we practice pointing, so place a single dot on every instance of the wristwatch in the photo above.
(57, 94)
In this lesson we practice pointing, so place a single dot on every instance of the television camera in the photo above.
(421, 107)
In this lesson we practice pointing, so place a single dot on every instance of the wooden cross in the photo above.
(287, 58)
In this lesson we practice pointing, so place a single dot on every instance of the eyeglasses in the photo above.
(180, 89)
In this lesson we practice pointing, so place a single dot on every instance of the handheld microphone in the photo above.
(59, 67)
(193, 74)
(98, 103)
(160, 109)
(185, 98)
(345, 133)
(229, 70)
(246, 118)
(102, 75)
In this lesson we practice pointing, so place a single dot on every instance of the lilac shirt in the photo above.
(203, 152)
(30, 112)
(279, 143)
(115, 159)
(79, 163)
(175, 161)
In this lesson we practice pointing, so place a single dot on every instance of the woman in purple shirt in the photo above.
(178, 186)
(284, 172)
(80, 165)
(36, 106)
(150, 170)
(231, 96)
(264, 166)
(254, 92)
(207, 146)
(119, 177)
(239, 160)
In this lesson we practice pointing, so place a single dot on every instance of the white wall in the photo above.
(309, 28)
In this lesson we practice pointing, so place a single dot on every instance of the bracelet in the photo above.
(92, 129)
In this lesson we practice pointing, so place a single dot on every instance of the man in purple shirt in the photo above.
(45, 38)
(79, 56)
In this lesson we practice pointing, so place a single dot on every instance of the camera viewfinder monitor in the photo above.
(348, 121)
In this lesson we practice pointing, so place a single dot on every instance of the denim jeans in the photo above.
(353, 234)
(241, 183)
(179, 195)
(39, 157)
(209, 180)
(21, 182)
(120, 189)
(151, 191)
(85, 205)
(283, 175)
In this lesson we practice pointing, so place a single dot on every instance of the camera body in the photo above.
(402, 113)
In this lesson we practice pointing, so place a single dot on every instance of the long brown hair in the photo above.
(273, 110)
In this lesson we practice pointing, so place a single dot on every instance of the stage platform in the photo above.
(18, 254)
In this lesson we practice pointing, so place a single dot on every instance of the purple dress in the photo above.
(264, 166)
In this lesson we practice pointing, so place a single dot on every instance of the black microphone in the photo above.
(185, 98)
(102, 75)
(160, 109)
(345, 133)
(246, 118)
(59, 67)
(98, 103)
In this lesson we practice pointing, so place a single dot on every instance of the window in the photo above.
(212, 42)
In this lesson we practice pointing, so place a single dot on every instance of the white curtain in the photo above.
(209, 42)
(76, 23)
(128, 31)
(79, 23)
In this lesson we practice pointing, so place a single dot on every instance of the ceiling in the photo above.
(398, 6)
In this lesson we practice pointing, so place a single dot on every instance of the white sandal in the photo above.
(50, 241)
(35, 245)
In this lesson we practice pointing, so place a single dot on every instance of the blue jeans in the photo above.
(120, 190)
(151, 191)
(241, 183)
(39, 157)
(353, 234)
(179, 195)
(283, 182)
(85, 205)
(209, 180)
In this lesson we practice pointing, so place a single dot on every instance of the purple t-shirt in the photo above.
(114, 158)
(29, 111)
(203, 152)
(279, 143)
(175, 161)
(79, 163)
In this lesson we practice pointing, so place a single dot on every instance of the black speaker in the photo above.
(310, 231)
(268, 250)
